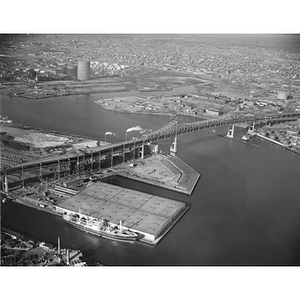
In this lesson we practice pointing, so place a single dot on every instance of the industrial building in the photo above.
(148, 215)
(72, 71)
(213, 112)
(61, 69)
(83, 70)
(281, 95)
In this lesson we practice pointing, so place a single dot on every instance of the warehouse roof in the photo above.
(140, 211)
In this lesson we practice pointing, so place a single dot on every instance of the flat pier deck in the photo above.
(168, 172)
(150, 215)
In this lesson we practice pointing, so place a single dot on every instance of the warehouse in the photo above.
(149, 215)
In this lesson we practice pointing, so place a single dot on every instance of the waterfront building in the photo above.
(148, 215)
(213, 112)
(72, 71)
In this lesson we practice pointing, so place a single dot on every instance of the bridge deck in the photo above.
(170, 129)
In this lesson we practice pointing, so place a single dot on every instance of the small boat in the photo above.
(246, 138)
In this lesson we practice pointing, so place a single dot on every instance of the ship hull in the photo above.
(115, 237)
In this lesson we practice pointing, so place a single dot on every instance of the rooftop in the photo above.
(140, 211)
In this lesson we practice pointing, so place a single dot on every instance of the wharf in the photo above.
(148, 239)
(167, 172)
(30, 202)
(268, 139)
(149, 215)
(277, 143)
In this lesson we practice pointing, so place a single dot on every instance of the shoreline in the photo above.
(275, 142)
(45, 97)
(171, 116)
(84, 92)
(185, 183)
(49, 253)
(185, 176)
(145, 241)
(46, 131)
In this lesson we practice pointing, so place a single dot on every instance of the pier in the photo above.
(164, 171)
(148, 215)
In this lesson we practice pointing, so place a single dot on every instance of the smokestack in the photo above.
(58, 245)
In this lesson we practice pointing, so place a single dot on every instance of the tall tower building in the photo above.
(83, 70)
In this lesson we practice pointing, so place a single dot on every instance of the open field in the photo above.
(20, 144)
(34, 138)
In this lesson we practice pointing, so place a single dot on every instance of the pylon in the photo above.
(173, 148)
(230, 132)
(252, 128)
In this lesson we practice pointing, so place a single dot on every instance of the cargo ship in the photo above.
(103, 228)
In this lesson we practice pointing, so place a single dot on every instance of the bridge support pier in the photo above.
(230, 133)
(252, 128)
(123, 154)
(142, 152)
(41, 172)
(58, 170)
(112, 157)
(173, 148)
(92, 162)
(69, 166)
(99, 158)
(6, 184)
(23, 180)
(78, 166)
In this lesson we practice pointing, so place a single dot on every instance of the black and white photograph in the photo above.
(144, 148)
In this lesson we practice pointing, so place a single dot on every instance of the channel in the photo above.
(245, 209)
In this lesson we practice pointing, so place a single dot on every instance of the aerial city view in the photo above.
(150, 149)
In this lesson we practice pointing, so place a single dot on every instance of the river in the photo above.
(245, 209)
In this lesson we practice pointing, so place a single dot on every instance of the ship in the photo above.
(5, 120)
(246, 137)
(103, 227)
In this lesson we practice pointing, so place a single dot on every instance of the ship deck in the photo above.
(141, 212)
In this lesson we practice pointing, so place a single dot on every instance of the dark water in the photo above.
(245, 209)
(80, 115)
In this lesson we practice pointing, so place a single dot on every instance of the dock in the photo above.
(167, 172)
(148, 215)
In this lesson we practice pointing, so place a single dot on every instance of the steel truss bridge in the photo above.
(96, 159)
(173, 128)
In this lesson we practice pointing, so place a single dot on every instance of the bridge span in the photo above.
(96, 159)
(174, 128)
